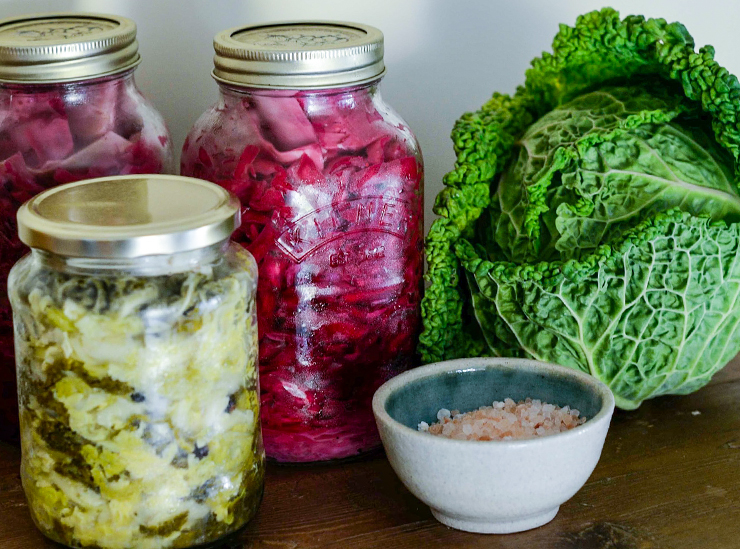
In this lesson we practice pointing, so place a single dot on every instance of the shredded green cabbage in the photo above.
(139, 404)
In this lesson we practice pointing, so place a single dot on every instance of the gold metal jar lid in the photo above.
(64, 47)
(128, 216)
(299, 55)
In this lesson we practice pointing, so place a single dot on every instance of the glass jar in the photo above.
(69, 110)
(136, 344)
(331, 185)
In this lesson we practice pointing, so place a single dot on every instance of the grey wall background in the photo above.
(444, 57)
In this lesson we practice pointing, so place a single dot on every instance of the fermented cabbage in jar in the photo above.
(331, 186)
(136, 349)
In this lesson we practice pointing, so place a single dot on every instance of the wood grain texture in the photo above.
(669, 478)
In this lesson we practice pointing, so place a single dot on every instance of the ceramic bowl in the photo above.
(491, 486)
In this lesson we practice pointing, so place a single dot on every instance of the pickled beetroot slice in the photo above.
(338, 318)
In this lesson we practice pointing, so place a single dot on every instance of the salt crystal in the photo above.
(443, 414)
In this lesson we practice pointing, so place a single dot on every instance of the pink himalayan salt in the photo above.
(505, 421)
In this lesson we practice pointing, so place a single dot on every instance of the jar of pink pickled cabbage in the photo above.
(69, 110)
(331, 184)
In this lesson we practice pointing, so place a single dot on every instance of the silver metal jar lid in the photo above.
(299, 55)
(128, 216)
(64, 47)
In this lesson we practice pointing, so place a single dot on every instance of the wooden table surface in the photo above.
(669, 478)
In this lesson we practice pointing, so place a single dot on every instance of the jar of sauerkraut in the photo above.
(136, 347)
(69, 110)
(330, 180)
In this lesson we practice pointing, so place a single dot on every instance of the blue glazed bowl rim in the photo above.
(463, 365)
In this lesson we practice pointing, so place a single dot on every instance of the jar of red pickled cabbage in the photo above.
(331, 184)
(69, 110)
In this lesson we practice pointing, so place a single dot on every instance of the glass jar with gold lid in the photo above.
(136, 345)
(69, 110)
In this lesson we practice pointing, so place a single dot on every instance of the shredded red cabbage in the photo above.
(331, 188)
(56, 134)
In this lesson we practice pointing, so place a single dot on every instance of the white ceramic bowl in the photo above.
(491, 486)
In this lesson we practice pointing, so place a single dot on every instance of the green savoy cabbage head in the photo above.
(592, 218)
